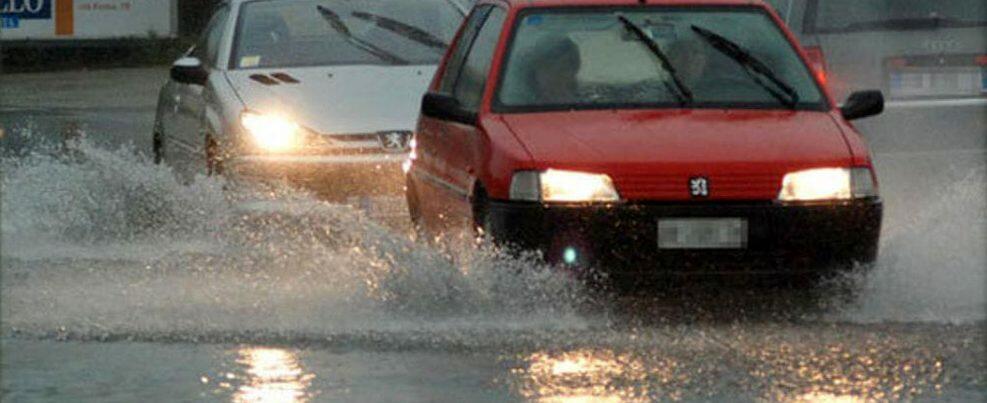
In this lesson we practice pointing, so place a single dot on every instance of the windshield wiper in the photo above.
(681, 91)
(751, 65)
(407, 31)
(339, 26)
(930, 22)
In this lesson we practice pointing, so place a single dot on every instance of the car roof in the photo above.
(562, 3)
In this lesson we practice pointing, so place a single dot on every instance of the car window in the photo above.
(463, 45)
(343, 32)
(207, 49)
(476, 68)
(892, 15)
(576, 58)
(782, 7)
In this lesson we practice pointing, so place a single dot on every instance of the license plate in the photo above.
(940, 82)
(702, 233)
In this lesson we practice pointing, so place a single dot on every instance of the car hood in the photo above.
(339, 99)
(653, 154)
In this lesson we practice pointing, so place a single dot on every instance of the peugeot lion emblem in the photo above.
(699, 187)
(394, 142)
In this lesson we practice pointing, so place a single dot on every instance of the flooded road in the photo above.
(120, 284)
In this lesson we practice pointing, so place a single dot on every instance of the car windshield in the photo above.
(874, 15)
(343, 32)
(596, 59)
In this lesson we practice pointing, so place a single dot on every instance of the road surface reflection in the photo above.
(272, 375)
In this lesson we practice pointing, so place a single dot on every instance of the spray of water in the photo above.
(933, 264)
(101, 243)
(104, 242)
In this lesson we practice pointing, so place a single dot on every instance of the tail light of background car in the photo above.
(818, 62)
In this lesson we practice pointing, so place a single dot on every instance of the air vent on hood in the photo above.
(260, 78)
(285, 77)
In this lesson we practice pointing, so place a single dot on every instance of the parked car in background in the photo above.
(928, 56)
(322, 90)
(672, 137)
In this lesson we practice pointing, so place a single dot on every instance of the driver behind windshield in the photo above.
(553, 64)
(690, 59)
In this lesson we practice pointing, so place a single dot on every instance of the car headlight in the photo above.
(271, 132)
(828, 184)
(562, 186)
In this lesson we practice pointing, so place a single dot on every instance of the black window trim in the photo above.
(481, 20)
(497, 107)
(201, 44)
(483, 24)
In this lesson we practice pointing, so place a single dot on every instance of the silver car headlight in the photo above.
(562, 186)
(272, 132)
(821, 184)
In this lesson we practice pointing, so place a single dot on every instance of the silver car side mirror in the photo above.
(189, 70)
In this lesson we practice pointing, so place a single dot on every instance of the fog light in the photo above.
(570, 256)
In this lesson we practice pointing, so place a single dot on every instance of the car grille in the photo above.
(676, 186)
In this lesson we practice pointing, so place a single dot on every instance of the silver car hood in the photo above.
(337, 99)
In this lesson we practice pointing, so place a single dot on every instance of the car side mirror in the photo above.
(862, 104)
(189, 70)
(444, 107)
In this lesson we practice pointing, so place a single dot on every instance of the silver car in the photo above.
(303, 88)
(928, 56)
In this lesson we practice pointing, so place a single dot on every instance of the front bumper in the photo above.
(374, 173)
(623, 239)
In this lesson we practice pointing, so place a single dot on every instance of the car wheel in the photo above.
(214, 163)
(481, 220)
(414, 209)
(157, 144)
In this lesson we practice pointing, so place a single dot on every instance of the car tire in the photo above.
(414, 209)
(481, 218)
(214, 163)
(157, 144)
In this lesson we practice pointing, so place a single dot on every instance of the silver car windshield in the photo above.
(894, 15)
(335, 32)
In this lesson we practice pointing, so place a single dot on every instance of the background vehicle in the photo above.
(311, 88)
(730, 167)
(928, 56)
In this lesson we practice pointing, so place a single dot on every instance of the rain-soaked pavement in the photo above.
(119, 284)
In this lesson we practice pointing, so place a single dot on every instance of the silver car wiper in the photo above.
(339, 26)
(680, 90)
(404, 30)
(751, 65)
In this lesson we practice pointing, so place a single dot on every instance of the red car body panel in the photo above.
(649, 153)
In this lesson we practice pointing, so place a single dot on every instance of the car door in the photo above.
(186, 137)
(433, 136)
(465, 140)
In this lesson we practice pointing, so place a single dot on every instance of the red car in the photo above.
(645, 137)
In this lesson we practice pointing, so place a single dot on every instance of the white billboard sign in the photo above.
(86, 19)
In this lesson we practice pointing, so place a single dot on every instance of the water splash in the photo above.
(933, 264)
(98, 241)
(102, 243)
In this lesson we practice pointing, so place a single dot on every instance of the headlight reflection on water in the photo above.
(272, 375)
(583, 376)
